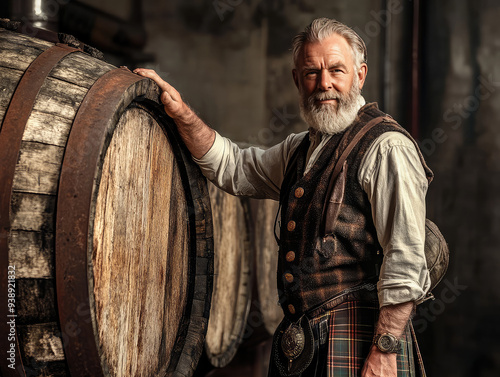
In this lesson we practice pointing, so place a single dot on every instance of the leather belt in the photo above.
(363, 292)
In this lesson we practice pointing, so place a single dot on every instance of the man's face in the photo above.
(328, 83)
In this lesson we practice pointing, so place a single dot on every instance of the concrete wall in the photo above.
(461, 114)
(231, 59)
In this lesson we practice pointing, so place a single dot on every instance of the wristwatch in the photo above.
(387, 343)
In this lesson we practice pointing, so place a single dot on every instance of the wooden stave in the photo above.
(202, 258)
(202, 245)
(265, 250)
(238, 329)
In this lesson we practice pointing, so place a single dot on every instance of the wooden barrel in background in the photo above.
(232, 280)
(104, 219)
(254, 349)
(266, 262)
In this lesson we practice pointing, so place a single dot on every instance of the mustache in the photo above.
(311, 101)
(324, 96)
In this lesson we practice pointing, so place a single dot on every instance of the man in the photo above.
(336, 323)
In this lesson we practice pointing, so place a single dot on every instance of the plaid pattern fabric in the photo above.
(351, 328)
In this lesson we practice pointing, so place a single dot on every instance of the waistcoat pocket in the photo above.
(325, 247)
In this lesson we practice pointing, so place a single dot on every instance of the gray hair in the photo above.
(322, 28)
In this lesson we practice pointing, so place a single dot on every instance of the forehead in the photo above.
(333, 49)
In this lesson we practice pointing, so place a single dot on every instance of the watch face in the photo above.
(386, 342)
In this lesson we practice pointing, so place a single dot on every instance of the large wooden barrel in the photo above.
(266, 262)
(105, 222)
(232, 281)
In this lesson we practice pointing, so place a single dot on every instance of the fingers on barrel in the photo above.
(145, 72)
(149, 73)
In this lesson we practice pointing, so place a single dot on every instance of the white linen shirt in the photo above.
(390, 173)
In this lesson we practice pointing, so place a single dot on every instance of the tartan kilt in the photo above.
(351, 328)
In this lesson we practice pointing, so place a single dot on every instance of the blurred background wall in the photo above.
(433, 65)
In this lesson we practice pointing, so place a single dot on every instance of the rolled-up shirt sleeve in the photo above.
(252, 171)
(394, 179)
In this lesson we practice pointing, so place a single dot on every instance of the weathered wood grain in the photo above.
(18, 51)
(47, 129)
(80, 69)
(59, 98)
(232, 281)
(266, 261)
(32, 212)
(9, 79)
(38, 304)
(23, 40)
(41, 342)
(140, 253)
(32, 253)
(38, 168)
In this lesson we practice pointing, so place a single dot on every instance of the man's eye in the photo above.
(312, 73)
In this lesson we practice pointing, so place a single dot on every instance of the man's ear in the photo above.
(295, 75)
(362, 72)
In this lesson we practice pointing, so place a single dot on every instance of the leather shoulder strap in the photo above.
(368, 126)
(330, 211)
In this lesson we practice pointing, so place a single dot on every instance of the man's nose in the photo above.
(325, 80)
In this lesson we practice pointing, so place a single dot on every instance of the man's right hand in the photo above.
(197, 136)
(170, 97)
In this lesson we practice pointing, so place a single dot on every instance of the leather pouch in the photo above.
(292, 366)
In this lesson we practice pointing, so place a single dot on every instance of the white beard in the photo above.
(332, 118)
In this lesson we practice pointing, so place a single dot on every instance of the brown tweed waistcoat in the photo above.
(313, 268)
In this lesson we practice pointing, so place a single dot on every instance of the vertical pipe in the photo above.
(42, 14)
(386, 65)
(415, 71)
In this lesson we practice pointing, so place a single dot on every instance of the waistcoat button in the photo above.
(291, 309)
(299, 191)
(289, 277)
(291, 226)
(290, 256)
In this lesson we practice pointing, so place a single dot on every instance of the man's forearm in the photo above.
(197, 136)
(394, 318)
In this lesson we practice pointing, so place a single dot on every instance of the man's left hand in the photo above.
(380, 364)
(392, 319)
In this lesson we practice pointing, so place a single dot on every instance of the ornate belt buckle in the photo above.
(293, 341)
